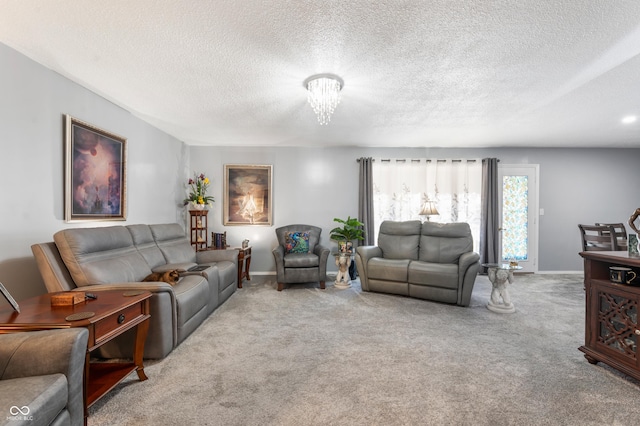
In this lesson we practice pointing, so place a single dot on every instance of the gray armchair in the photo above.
(41, 376)
(299, 256)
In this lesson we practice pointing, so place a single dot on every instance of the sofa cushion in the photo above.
(388, 269)
(399, 240)
(173, 243)
(301, 260)
(46, 396)
(443, 275)
(146, 245)
(296, 242)
(101, 255)
(444, 242)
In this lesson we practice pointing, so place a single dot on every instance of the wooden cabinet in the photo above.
(612, 332)
(198, 229)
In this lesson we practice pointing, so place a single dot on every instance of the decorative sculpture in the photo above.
(632, 244)
(632, 220)
(500, 300)
(342, 262)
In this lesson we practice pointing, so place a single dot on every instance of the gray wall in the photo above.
(33, 102)
(314, 185)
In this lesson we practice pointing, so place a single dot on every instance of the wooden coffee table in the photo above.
(114, 312)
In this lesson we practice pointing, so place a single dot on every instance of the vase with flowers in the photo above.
(198, 198)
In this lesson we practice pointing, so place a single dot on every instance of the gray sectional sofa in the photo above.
(427, 260)
(41, 377)
(120, 257)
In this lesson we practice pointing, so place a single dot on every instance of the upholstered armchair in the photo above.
(41, 377)
(299, 256)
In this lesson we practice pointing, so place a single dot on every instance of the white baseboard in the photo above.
(559, 272)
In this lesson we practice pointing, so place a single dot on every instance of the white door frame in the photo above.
(533, 172)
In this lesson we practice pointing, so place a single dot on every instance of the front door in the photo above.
(518, 188)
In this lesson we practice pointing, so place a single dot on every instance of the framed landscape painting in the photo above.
(247, 195)
(95, 173)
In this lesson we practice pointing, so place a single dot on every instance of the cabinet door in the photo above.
(616, 331)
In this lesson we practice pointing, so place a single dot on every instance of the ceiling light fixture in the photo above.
(629, 119)
(323, 95)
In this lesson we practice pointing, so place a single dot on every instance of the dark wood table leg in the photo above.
(240, 267)
(138, 351)
(247, 265)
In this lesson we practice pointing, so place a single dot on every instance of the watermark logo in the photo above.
(19, 413)
(15, 410)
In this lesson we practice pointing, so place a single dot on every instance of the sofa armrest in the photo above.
(468, 267)
(363, 254)
(278, 256)
(211, 256)
(323, 254)
(150, 286)
(466, 260)
(45, 352)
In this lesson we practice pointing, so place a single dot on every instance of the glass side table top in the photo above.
(504, 266)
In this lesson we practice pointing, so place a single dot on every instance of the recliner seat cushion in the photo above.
(444, 275)
(399, 240)
(301, 260)
(388, 269)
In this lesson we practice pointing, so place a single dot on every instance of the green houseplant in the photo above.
(351, 230)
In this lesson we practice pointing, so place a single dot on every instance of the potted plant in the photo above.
(351, 230)
(198, 197)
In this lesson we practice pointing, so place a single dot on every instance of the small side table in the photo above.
(343, 261)
(500, 275)
(244, 261)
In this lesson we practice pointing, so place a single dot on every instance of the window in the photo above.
(401, 187)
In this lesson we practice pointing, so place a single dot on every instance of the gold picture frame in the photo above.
(95, 173)
(248, 195)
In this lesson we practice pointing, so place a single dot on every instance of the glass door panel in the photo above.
(518, 214)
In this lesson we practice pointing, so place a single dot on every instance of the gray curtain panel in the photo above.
(489, 220)
(365, 199)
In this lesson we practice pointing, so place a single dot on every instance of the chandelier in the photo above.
(323, 95)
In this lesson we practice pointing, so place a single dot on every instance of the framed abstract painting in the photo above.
(248, 195)
(95, 173)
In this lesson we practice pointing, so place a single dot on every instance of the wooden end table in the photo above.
(114, 312)
(244, 261)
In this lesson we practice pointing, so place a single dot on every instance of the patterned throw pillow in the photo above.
(296, 242)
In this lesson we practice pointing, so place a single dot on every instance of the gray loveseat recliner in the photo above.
(41, 377)
(120, 257)
(428, 260)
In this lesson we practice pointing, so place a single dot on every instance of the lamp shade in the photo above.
(429, 209)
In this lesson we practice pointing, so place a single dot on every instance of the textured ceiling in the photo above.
(438, 73)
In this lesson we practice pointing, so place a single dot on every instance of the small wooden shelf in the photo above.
(104, 377)
(198, 229)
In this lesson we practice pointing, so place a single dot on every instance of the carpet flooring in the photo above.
(306, 356)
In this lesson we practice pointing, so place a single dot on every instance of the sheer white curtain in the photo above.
(401, 187)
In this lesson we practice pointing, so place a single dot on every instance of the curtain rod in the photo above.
(417, 160)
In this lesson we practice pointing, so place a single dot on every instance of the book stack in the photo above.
(219, 240)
